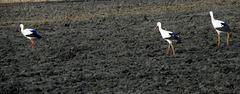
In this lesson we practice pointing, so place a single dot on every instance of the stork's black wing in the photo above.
(224, 28)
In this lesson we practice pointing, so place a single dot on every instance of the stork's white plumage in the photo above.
(220, 27)
(30, 34)
(168, 36)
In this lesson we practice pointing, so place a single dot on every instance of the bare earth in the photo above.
(110, 46)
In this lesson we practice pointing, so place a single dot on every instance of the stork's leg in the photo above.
(173, 50)
(31, 44)
(227, 38)
(168, 48)
(218, 39)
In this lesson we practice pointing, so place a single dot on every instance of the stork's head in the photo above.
(158, 25)
(21, 26)
(211, 13)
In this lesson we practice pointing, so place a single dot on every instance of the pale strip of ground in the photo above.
(18, 1)
(125, 11)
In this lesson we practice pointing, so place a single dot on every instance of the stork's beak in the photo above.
(19, 30)
(156, 27)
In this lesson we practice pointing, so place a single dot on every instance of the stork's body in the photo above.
(168, 36)
(30, 34)
(220, 27)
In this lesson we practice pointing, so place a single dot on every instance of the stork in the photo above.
(168, 36)
(30, 34)
(220, 27)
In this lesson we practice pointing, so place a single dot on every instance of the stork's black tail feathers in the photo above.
(38, 36)
(175, 37)
(35, 34)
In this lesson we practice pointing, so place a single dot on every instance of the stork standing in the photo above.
(168, 36)
(220, 27)
(30, 34)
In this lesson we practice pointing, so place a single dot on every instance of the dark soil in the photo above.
(110, 46)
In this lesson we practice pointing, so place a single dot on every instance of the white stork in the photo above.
(168, 36)
(220, 27)
(30, 34)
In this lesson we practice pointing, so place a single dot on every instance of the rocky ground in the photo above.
(110, 46)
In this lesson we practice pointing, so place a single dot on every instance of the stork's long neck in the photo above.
(212, 18)
(22, 28)
(160, 28)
